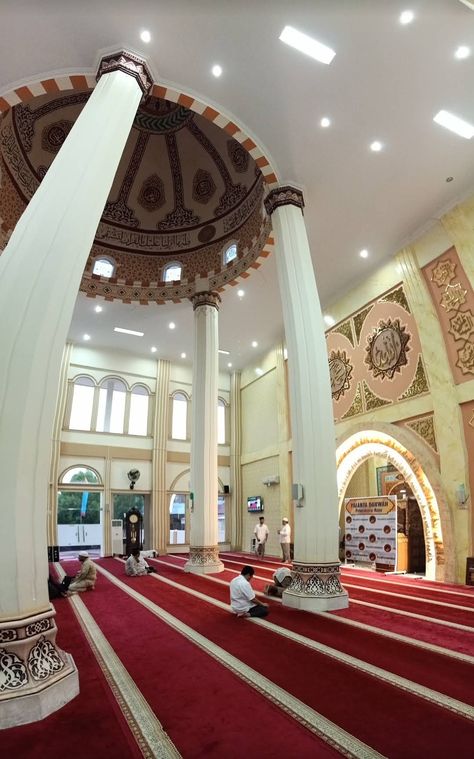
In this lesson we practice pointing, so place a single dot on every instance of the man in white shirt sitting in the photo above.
(242, 596)
(136, 564)
(281, 580)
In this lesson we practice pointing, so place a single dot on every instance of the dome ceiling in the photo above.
(183, 191)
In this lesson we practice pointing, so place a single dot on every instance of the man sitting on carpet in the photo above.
(136, 564)
(281, 580)
(242, 596)
(86, 577)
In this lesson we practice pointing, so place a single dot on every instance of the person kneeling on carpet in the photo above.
(86, 577)
(136, 564)
(281, 580)
(58, 589)
(242, 596)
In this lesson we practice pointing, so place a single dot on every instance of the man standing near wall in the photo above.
(285, 538)
(261, 537)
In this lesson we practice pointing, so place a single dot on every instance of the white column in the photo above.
(160, 521)
(40, 274)
(316, 577)
(203, 550)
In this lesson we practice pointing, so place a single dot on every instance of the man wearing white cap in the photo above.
(85, 578)
(285, 537)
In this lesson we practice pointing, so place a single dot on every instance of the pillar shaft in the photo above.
(40, 274)
(204, 552)
(316, 584)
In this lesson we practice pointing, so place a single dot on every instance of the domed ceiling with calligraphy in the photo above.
(184, 190)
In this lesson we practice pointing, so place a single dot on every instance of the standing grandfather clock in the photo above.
(133, 530)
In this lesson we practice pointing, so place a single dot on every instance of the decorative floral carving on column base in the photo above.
(316, 587)
(204, 560)
(36, 677)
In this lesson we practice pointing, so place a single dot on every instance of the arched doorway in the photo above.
(419, 477)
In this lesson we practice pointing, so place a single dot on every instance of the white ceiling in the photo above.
(386, 82)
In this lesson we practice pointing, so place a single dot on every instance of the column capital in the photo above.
(283, 196)
(205, 298)
(129, 63)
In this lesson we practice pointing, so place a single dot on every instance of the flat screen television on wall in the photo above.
(254, 504)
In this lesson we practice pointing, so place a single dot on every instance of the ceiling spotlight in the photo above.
(241, 293)
(454, 124)
(98, 309)
(171, 325)
(364, 253)
(128, 331)
(153, 349)
(216, 70)
(376, 146)
(86, 337)
(329, 320)
(229, 365)
(307, 45)
(183, 355)
(406, 17)
(462, 52)
(254, 344)
(259, 371)
(145, 36)
(325, 122)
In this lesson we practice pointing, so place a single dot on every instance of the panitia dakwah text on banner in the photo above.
(370, 526)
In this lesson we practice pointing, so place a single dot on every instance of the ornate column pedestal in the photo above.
(40, 273)
(204, 551)
(315, 587)
(316, 582)
(36, 677)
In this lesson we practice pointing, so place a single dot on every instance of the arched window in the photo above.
(172, 272)
(221, 438)
(104, 267)
(179, 417)
(76, 475)
(82, 404)
(230, 253)
(111, 409)
(138, 418)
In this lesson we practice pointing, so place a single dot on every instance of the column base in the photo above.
(316, 587)
(204, 560)
(36, 677)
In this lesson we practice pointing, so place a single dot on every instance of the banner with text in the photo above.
(371, 529)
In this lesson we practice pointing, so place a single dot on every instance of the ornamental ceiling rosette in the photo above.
(386, 349)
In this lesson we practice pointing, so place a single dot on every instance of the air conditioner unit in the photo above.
(117, 536)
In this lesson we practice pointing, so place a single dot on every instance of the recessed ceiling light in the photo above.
(241, 293)
(254, 344)
(145, 36)
(462, 52)
(364, 253)
(376, 146)
(216, 70)
(229, 365)
(86, 337)
(128, 331)
(153, 349)
(98, 309)
(183, 355)
(171, 325)
(329, 320)
(226, 353)
(259, 371)
(406, 17)
(325, 122)
(307, 45)
(454, 124)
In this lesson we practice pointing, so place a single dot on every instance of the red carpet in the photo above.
(90, 725)
(322, 683)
